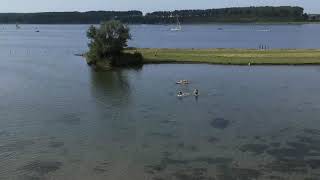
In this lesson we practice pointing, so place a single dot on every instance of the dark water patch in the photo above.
(287, 153)
(28, 177)
(169, 121)
(213, 140)
(229, 173)
(254, 148)
(284, 130)
(308, 140)
(257, 137)
(153, 169)
(192, 174)
(300, 147)
(275, 144)
(168, 161)
(272, 177)
(70, 119)
(56, 144)
(3, 133)
(41, 168)
(16, 146)
(314, 132)
(218, 160)
(310, 143)
(191, 148)
(220, 123)
(158, 178)
(311, 178)
(287, 166)
(188, 173)
(314, 163)
(163, 135)
(99, 170)
(242, 137)
(246, 174)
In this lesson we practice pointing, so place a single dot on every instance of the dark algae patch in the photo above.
(185, 169)
(213, 140)
(254, 148)
(102, 167)
(16, 146)
(299, 155)
(229, 173)
(287, 166)
(56, 144)
(192, 174)
(220, 123)
(41, 168)
(70, 119)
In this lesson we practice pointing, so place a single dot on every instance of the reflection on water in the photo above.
(115, 83)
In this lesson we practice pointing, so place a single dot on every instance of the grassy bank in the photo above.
(232, 56)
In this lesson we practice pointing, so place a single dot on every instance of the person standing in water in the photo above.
(196, 92)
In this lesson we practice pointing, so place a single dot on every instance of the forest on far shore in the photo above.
(236, 14)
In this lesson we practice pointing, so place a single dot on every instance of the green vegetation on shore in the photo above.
(231, 56)
(267, 14)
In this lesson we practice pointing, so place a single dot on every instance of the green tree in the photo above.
(108, 41)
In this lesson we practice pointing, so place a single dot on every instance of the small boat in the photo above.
(37, 31)
(183, 95)
(183, 82)
(178, 27)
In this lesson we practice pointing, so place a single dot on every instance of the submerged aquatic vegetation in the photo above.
(254, 148)
(163, 135)
(191, 148)
(312, 131)
(287, 166)
(229, 173)
(16, 146)
(192, 174)
(56, 144)
(299, 156)
(42, 168)
(220, 123)
(213, 140)
(69, 119)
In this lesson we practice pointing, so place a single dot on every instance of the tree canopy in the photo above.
(107, 43)
(108, 40)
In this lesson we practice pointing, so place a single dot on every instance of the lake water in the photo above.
(61, 120)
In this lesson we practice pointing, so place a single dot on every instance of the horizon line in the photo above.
(145, 12)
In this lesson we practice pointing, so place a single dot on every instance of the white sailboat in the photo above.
(178, 27)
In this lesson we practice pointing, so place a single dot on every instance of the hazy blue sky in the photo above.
(311, 6)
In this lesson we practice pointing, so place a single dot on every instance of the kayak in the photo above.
(183, 95)
(182, 82)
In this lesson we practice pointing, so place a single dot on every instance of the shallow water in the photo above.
(61, 120)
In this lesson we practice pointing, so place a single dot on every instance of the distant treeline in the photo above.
(237, 14)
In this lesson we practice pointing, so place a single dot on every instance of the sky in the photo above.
(311, 6)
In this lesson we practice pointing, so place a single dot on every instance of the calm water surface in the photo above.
(61, 120)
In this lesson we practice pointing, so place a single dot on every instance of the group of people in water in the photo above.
(263, 47)
(185, 82)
